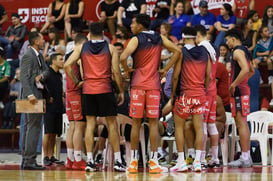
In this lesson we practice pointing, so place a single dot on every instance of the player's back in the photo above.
(96, 63)
(192, 82)
(146, 61)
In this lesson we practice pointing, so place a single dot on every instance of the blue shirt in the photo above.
(178, 24)
(254, 85)
(207, 20)
(226, 23)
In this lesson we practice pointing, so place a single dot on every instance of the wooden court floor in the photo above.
(13, 172)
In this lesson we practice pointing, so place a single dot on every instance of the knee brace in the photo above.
(212, 129)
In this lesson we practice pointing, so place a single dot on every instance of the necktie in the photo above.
(39, 60)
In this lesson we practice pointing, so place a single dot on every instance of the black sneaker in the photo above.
(90, 167)
(47, 161)
(119, 167)
(161, 158)
(99, 159)
(54, 160)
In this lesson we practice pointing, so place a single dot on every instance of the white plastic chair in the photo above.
(62, 138)
(259, 122)
(122, 120)
(225, 142)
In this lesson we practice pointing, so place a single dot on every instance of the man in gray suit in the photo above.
(33, 72)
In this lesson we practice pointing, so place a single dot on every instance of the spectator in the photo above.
(205, 18)
(55, 15)
(122, 36)
(249, 36)
(254, 85)
(54, 45)
(9, 114)
(4, 76)
(54, 109)
(14, 36)
(224, 22)
(241, 8)
(108, 15)
(70, 45)
(161, 13)
(178, 19)
(256, 20)
(26, 44)
(165, 30)
(16, 62)
(131, 8)
(73, 15)
(264, 50)
(3, 16)
(188, 8)
(225, 56)
(268, 18)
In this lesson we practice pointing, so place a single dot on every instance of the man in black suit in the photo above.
(33, 72)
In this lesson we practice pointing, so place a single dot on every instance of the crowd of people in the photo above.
(193, 66)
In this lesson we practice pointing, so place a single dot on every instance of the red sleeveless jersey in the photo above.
(96, 63)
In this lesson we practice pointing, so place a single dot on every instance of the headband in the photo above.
(187, 36)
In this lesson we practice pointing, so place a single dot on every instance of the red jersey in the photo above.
(70, 85)
(242, 88)
(192, 81)
(146, 61)
(96, 63)
(241, 8)
(223, 83)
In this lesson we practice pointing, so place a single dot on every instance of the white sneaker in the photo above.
(270, 79)
(179, 167)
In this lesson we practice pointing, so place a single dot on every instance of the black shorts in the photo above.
(99, 104)
(104, 132)
(53, 123)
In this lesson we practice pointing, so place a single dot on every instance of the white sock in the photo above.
(210, 151)
(181, 157)
(133, 154)
(191, 151)
(198, 155)
(100, 152)
(78, 155)
(160, 150)
(90, 157)
(153, 155)
(70, 154)
(214, 151)
(245, 155)
(117, 157)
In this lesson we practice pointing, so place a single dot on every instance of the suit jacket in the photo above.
(29, 70)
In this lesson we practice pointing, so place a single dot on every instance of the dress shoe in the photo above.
(33, 166)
